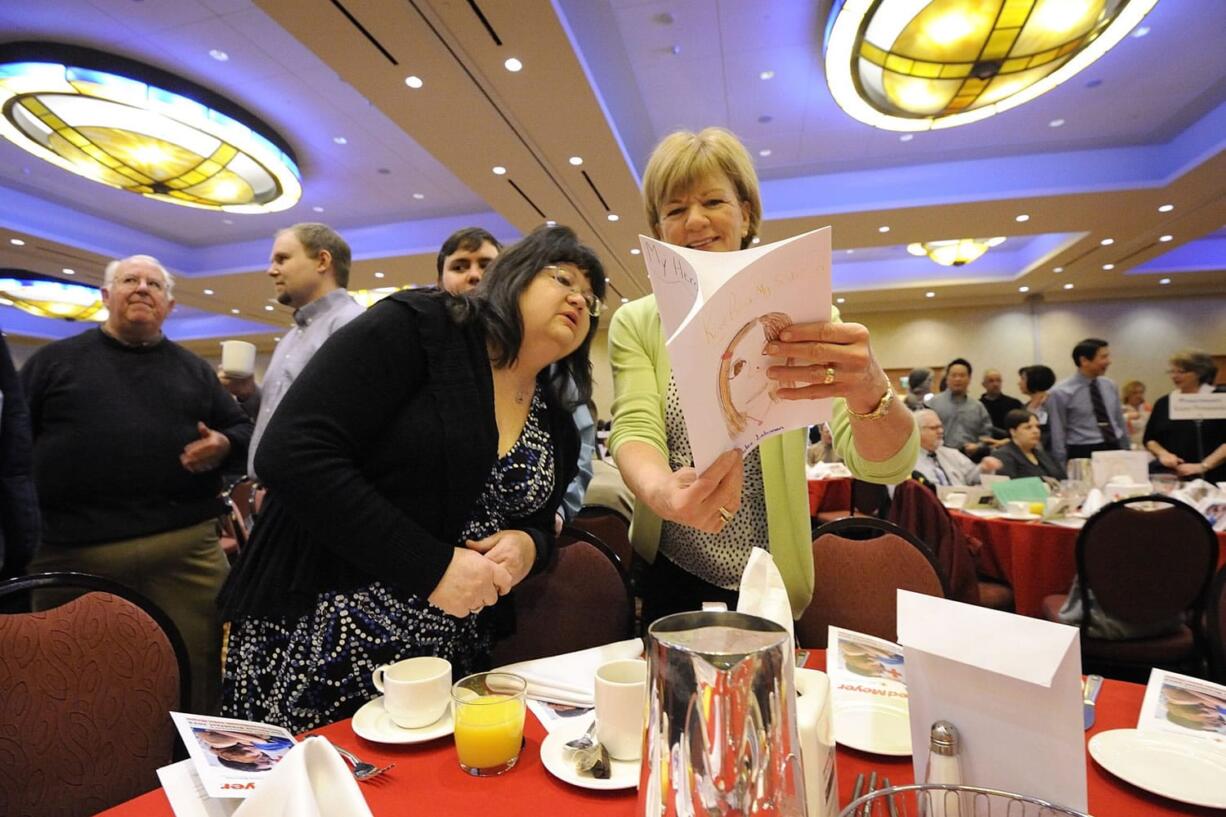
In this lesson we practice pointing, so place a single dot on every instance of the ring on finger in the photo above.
(829, 376)
(725, 514)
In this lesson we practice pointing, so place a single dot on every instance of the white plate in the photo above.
(374, 723)
(1021, 517)
(881, 727)
(1188, 769)
(624, 774)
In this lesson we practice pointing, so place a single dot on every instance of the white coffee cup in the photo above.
(416, 691)
(238, 358)
(621, 707)
(1018, 508)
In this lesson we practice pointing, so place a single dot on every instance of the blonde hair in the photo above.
(684, 158)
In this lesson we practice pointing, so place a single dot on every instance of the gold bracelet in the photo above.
(883, 406)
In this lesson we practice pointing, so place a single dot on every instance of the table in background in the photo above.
(829, 495)
(427, 778)
(1034, 558)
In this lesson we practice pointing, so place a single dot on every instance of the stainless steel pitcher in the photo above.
(721, 728)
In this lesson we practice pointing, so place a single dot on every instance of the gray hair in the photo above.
(108, 277)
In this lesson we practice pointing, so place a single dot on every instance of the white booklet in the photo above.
(231, 757)
(862, 664)
(718, 311)
(1183, 705)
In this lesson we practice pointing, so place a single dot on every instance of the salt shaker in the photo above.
(943, 767)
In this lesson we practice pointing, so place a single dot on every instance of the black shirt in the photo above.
(998, 408)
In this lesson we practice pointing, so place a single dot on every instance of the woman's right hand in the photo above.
(470, 583)
(1170, 460)
(690, 498)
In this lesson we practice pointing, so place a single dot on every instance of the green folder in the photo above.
(1026, 489)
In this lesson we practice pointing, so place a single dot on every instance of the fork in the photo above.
(361, 769)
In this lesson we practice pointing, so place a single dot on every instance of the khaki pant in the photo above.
(181, 571)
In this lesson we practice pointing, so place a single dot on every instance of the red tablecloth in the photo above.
(1033, 558)
(829, 495)
(427, 779)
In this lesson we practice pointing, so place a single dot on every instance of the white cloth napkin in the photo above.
(570, 678)
(310, 781)
(1094, 502)
(763, 593)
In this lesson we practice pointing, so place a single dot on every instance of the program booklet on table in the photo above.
(719, 310)
(228, 758)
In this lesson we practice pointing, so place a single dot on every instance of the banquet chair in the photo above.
(236, 520)
(1215, 613)
(859, 564)
(1141, 567)
(582, 599)
(612, 528)
(85, 694)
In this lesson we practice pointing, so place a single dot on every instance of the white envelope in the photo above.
(1010, 684)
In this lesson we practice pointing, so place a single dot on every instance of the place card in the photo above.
(1010, 684)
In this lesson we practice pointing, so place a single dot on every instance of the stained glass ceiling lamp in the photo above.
(916, 65)
(955, 252)
(369, 297)
(49, 298)
(130, 126)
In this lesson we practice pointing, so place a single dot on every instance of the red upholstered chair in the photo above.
(581, 600)
(1215, 613)
(1140, 567)
(611, 527)
(85, 694)
(859, 564)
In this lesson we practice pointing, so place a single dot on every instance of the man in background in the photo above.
(968, 427)
(130, 434)
(942, 465)
(995, 400)
(1084, 411)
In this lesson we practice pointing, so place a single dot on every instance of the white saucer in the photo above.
(1021, 517)
(1189, 769)
(881, 727)
(555, 758)
(374, 723)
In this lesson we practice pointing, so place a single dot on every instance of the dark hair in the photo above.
(468, 239)
(1016, 417)
(1088, 349)
(315, 237)
(1038, 378)
(495, 303)
(959, 361)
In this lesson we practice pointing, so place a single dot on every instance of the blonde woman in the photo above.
(700, 191)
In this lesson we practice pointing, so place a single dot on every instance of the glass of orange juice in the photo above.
(489, 721)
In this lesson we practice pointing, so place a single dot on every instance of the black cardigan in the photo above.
(1015, 465)
(375, 459)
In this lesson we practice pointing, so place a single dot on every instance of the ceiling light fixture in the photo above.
(209, 292)
(139, 129)
(1141, 31)
(613, 217)
(513, 65)
(219, 55)
(1056, 123)
(576, 160)
(1107, 242)
(419, 196)
(233, 311)
(766, 75)
(413, 81)
(1022, 219)
(883, 228)
(908, 66)
(1166, 208)
(930, 294)
(317, 209)
(906, 137)
(48, 298)
(268, 308)
(68, 271)
(1164, 281)
(1068, 286)
(1057, 269)
(955, 252)
(499, 170)
(1166, 238)
(764, 152)
(378, 275)
(340, 140)
(840, 300)
(1023, 289)
(636, 251)
(17, 242)
(1108, 267)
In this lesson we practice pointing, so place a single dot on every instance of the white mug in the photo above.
(238, 358)
(621, 707)
(416, 691)
(1018, 508)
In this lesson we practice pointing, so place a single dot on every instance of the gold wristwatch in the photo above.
(883, 406)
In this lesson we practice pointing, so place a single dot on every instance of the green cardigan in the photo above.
(641, 372)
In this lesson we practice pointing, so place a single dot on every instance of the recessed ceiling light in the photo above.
(765, 119)
(317, 209)
(1166, 208)
(499, 170)
(378, 275)
(384, 171)
(1140, 31)
(1068, 286)
(576, 160)
(413, 81)
(513, 65)
(268, 308)
(1165, 238)
(1164, 281)
(17, 242)
(764, 152)
(851, 252)
(930, 294)
(636, 251)
(419, 196)
(906, 137)
(613, 217)
(551, 223)
(1024, 217)
(277, 339)
(227, 221)
(340, 140)
(1107, 242)
(1108, 266)
(209, 292)
(625, 300)
(766, 75)
(840, 300)
(68, 271)
(883, 229)
(219, 55)
(1058, 269)
(756, 240)
(1023, 289)
(233, 311)
(1055, 123)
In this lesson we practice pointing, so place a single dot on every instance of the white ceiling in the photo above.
(605, 79)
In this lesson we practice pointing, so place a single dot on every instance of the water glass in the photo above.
(489, 721)
(1164, 484)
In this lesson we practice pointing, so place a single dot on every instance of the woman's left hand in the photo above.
(829, 360)
(1190, 469)
(513, 549)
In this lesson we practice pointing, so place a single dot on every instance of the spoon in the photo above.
(585, 741)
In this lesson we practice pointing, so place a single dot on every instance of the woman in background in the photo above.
(1187, 448)
(1136, 411)
(1034, 382)
(1023, 455)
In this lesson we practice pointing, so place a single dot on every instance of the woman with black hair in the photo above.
(1034, 382)
(1023, 455)
(415, 468)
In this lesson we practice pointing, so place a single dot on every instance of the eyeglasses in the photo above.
(131, 281)
(566, 279)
